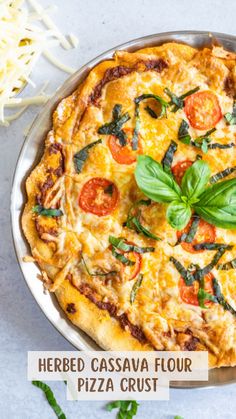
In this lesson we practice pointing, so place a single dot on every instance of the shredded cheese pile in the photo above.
(26, 32)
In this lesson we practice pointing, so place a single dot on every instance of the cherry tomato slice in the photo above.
(99, 196)
(179, 170)
(130, 272)
(203, 110)
(189, 293)
(125, 154)
(206, 233)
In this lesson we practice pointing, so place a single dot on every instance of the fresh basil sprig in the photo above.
(48, 212)
(50, 398)
(231, 117)
(82, 155)
(216, 203)
(115, 126)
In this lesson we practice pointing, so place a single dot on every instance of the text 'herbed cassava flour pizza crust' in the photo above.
(135, 234)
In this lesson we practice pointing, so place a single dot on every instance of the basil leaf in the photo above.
(135, 288)
(48, 212)
(115, 126)
(186, 274)
(168, 157)
(178, 214)
(217, 204)
(127, 409)
(137, 101)
(195, 179)
(50, 398)
(202, 296)
(231, 117)
(193, 229)
(177, 102)
(96, 273)
(212, 246)
(122, 258)
(183, 134)
(82, 155)
(221, 299)
(154, 182)
(227, 266)
(220, 175)
(151, 112)
(121, 244)
(221, 146)
(141, 229)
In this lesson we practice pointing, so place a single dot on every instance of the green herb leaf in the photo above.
(122, 258)
(141, 229)
(177, 102)
(137, 101)
(221, 299)
(154, 182)
(186, 274)
(168, 157)
(231, 117)
(50, 398)
(133, 221)
(193, 229)
(220, 175)
(127, 409)
(217, 204)
(82, 155)
(96, 273)
(183, 134)
(202, 296)
(221, 146)
(115, 126)
(227, 266)
(151, 112)
(178, 214)
(48, 212)
(135, 288)
(121, 244)
(195, 179)
(201, 273)
(212, 246)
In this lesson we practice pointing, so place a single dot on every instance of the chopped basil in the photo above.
(109, 189)
(168, 157)
(50, 398)
(121, 244)
(96, 273)
(221, 299)
(122, 258)
(212, 246)
(220, 175)
(193, 229)
(186, 274)
(221, 146)
(135, 288)
(82, 155)
(151, 112)
(133, 221)
(183, 134)
(200, 273)
(48, 212)
(177, 102)
(115, 126)
(137, 101)
(127, 409)
(203, 296)
(227, 266)
(231, 117)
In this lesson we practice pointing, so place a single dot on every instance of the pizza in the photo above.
(131, 212)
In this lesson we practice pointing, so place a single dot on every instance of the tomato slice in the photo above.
(130, 272)
(189, 293)
(206, 233)
(99, 196)
(180, 168)
(125, 154)
(203, 110)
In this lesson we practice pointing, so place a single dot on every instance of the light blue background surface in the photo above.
(100, 25)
